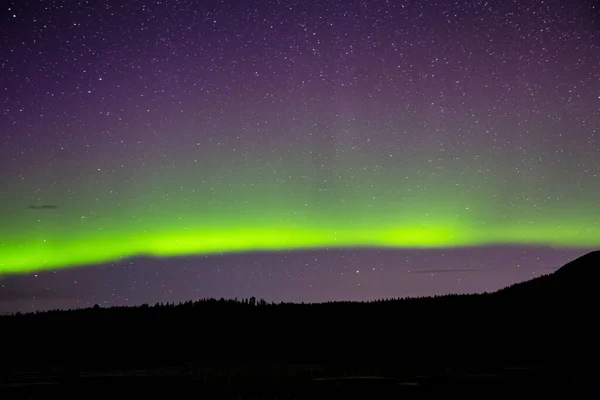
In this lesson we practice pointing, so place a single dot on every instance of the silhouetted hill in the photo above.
(551, 319)
(580, 274)
(575, 284)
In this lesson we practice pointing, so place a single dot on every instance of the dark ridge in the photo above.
(581, 271)
(576, 281)
(550, 321)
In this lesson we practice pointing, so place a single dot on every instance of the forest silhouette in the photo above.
(550, 319)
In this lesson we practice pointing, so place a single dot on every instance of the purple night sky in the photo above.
(155, 117)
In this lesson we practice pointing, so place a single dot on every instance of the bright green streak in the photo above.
(190, 213)
(38, 255)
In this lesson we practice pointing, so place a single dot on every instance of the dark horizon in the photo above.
(330, 276)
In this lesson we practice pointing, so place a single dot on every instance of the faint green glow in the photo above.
(38, 255)
(192, 212)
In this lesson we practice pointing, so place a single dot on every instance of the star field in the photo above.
(173, 128)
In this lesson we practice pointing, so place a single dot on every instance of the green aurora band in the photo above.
(278, 206)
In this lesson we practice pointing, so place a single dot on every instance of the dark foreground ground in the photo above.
(536, 340)
(294, 381)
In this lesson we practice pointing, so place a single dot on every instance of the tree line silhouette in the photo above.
(439, 329)
(550, 319)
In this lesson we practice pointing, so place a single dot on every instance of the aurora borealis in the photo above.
(237, 214)
(177, 130)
